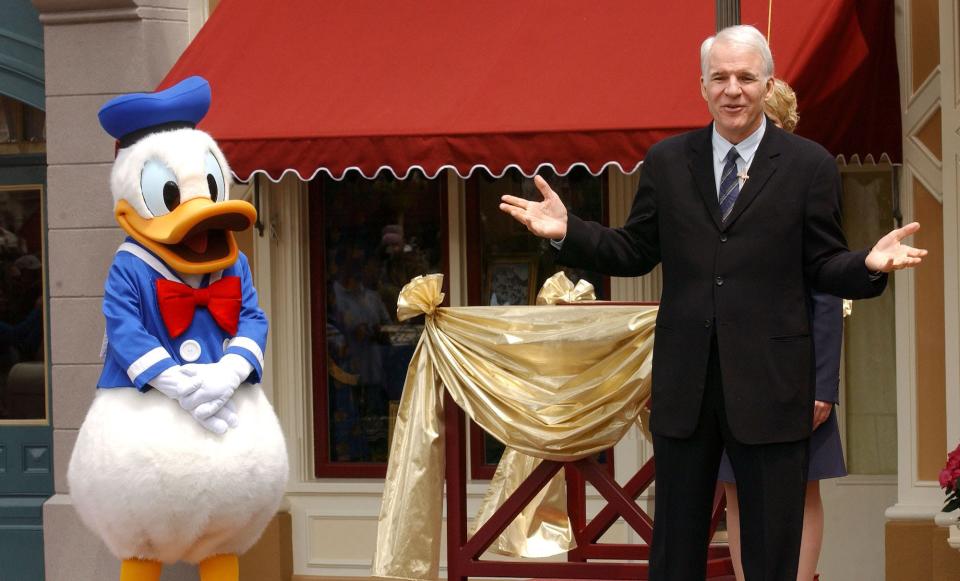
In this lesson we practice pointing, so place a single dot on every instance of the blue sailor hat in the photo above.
(129, 118)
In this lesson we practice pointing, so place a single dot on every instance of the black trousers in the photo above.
(771, 482)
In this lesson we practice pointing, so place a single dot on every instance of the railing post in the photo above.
(456, 480)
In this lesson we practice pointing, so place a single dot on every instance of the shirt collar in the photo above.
(746, 148)
(132, 246)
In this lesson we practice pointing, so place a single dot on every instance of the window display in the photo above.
(368, 239)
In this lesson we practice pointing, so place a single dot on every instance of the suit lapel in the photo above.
(701, 166)
(763, 167)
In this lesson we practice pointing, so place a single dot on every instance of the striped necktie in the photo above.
(729, 183)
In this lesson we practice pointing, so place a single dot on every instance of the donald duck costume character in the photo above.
(180, 457)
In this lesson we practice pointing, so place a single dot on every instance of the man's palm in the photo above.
(889, 253)
(546, 219)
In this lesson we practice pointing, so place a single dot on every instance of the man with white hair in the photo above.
(743, 216)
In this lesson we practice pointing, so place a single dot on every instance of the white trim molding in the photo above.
(922, 499)
(457, 239)
(951, 521)
(950, 104)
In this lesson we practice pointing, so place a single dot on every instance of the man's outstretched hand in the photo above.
(546, 219)
(890, 254)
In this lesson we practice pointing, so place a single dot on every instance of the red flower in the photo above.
(947, 479)
(950, 474)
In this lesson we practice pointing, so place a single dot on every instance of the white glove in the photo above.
(178, 383)
(218, 381)
(175, 383)
(224, 419)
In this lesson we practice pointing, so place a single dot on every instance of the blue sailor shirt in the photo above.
(138, 347)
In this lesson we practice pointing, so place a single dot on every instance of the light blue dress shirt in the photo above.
(746, 148)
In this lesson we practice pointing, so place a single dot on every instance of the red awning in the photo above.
(840, 56)
(309, 86)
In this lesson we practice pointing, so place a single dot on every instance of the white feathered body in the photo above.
(154, 484)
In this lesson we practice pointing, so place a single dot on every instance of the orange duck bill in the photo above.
(196, 237)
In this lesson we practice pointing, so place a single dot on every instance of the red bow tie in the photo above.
(178, 302)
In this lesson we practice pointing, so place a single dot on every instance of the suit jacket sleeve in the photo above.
(632, 250)
(829, 266)
(827, 329)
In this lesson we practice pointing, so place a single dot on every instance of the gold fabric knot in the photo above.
(559, 289)
(420, 296)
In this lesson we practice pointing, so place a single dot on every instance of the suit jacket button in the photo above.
(723, 238)
(707, 323)
(719, 281)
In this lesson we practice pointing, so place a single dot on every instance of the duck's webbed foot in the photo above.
(220, 568)
(140, 570)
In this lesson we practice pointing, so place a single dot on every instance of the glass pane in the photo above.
(514, 263)
(20, 124)
(378, 234)
(8, 128)
(22, 386)
(34, 125)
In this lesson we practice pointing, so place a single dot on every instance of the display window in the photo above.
(368, 238)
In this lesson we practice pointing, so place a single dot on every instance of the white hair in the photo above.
(741, 34)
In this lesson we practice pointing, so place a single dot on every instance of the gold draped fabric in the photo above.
(542, 528)
(550, 382)
(559, 289)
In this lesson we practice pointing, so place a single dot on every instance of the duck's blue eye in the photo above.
(214, 178)
(159, 187)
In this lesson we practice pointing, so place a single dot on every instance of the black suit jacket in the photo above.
(744, 279)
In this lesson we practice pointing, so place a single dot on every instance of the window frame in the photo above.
(323, 466)
(28, 172)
